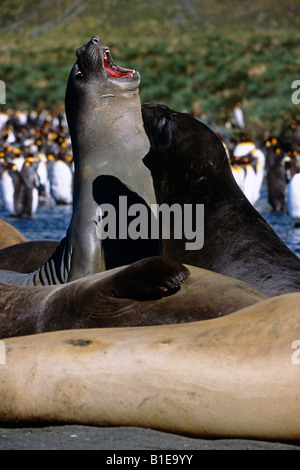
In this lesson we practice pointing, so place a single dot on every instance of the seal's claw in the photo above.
(176, 282)
(150, 278)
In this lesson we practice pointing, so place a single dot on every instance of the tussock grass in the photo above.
(193, 55)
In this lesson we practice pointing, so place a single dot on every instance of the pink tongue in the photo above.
(115, 73)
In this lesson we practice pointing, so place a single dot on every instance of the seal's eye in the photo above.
(79, 74)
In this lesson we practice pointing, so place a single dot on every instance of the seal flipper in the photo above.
(148, 279)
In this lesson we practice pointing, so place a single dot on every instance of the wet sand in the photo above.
(74, 437)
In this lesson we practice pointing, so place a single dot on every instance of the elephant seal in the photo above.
(151, 291)
(189, 165)
(103, 111)
(235, 376)
(104, 117)
(9, 235)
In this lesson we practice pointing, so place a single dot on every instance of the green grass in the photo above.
(193, 55)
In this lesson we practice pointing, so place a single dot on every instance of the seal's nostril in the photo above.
(95, 40)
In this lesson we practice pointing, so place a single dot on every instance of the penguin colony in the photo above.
(36, 163)
(278, 164)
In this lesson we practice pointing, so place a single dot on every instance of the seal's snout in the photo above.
(95, 40)
(94, 57)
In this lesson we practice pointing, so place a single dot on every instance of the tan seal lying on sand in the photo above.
(9, 235)
(235, 376)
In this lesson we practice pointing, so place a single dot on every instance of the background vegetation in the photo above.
(200, 56)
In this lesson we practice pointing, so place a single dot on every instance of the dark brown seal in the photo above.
(189, 165)
(152, 291)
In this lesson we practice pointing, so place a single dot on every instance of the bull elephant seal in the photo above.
(103, 111)
(104, 116)
(235, 376)
(189, 165)
(151, 291)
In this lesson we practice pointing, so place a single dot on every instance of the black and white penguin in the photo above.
(276, 179)
(293, 186)
(61, 181)
(17, 158)
(291, 164)
(248, 167)
(10, 186)
(293, 199)
(43, 174)
(20, 189)
(238, 116)
(30, 190)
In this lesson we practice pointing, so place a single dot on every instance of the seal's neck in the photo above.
(211, 197)
(112, 141)
(109, 141)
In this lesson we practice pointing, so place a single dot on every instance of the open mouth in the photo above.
(112, 69)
